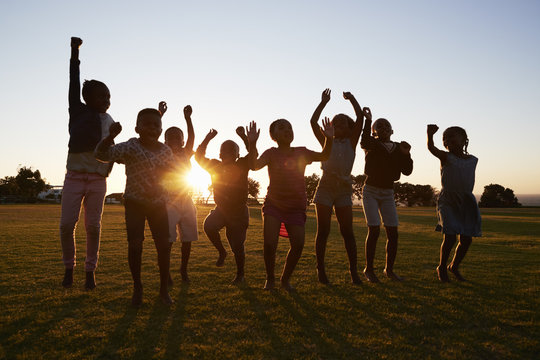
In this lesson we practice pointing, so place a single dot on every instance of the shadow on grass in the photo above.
(176, 336)
(116, 339)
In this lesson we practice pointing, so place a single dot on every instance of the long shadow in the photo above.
(149, 337)
(176, 330)
(116, 338)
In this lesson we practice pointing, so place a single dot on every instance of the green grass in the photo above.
(494, 315)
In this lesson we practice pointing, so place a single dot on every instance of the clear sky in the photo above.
(469, 63)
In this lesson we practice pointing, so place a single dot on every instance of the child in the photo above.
(182, 213)
(146, 161)
(85, 181)
(286, 198)
(385, 162)
(456, 207)
(335, 187)
(230, 182)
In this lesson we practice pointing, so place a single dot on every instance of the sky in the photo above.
(473, 64)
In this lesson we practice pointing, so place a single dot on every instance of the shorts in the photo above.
(338, 196)
(182, 216)
(137, 213)
(377, 203)
(235, 224)
(286, 217)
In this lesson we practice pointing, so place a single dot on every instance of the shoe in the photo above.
(90, 283)
(68, 278)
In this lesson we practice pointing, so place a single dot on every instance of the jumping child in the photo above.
(145, 199)
(457, 208)
(85, 180)
(385, 162)
(182, 213)
(286, 197)
(230, 183)
(335, 187)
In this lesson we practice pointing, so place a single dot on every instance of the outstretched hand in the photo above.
(327, 129)
(240, 131)
(188, 111)
(115, 129)
(211, 134)
(347, 95)
(432, 129)
(325, 97)
(76, 42)
(162, 107)
(252, 132)
(367, 113)
(405, 147)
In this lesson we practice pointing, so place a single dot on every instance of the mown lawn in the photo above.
(494, 315)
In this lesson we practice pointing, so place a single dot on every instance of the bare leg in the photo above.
(163, 247)
(324, 217)
(186, 252)
(134, 260)
(237, 237)
(446, 247)
(296, 239)
(345, 220)
(371, 244)
(391, 252)
(271, 237)
(461, 251)
(212, 225)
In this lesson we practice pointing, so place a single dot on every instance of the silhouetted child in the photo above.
(145, 199)
(335, 187)
(85, 180)
(182, 214)
(457, 208)
(385, 162)
(230, 183)
(286, 197)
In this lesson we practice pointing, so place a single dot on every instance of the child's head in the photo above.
(149, 125)
(455, 139)
(96, 95)
(343, 125)
(382, 129)
(281, 131)
(174, 138)
(229, 151)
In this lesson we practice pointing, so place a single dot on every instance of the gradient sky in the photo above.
(469, 63)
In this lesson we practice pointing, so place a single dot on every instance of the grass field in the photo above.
(494, 315)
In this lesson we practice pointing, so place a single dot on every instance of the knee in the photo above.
(374, 231)
(392, 233)
(93, 231)
(238, 249)
(209, 228)
(465, 240)
(135, 247)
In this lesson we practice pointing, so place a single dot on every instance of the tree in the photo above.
(358, 183)
(253, 188)
(26, 184)
(496, 195)
(311, 186)
(411, 194)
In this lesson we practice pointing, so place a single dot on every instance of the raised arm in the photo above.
(201, 150)
(74, 94)
(328, 131)
(162, 108)
(431, 130)
(240, 131)
(366, 140)
(359, 123)
(255, 162)
(190, 132)
(325, 98)
(102, 149)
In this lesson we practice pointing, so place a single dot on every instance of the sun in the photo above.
(199, 180)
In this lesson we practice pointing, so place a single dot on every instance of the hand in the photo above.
(327, 128)
(367, 113)
(115, 129)
(348, 96)
(162, 107)
(241, 132)
(188, 111)
(404, 147)
(432, 129)
(76, 42)
(325, 97)
(211, 134)
(252, 132)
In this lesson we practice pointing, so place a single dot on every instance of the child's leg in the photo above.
(213, 223)
(296, 239)
(461, 251)
(271, 227)
(391, 252)
(345, 220)
(448, 243)
(371, 245)
(370, 204)
(135, 221)
(324, 218)
(236, 235)
(186, 252)
(159, 226)
(93, 210)
(72, 195)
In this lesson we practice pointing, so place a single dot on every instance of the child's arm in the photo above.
(328, 131)
(242, 133)
(325, 98)
(406, 162)
(162, 108)
(102, 151)
(357, 128)
(431, 130)
(190, 132)
(201, 150)
(74, 94)
(255, 163)
(366, 142)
